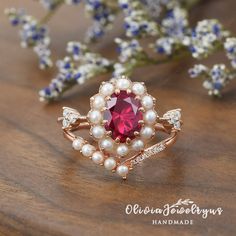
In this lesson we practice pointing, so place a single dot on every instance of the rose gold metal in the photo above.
(141, 122)
(129, 91)
(128, 141)
(162, 126)
(109, 133)
(104, 122)
(141, 109)
(117, 91)
(117, 140)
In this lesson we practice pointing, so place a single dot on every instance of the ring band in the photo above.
(122, 121)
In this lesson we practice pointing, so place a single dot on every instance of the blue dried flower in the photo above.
(77, 49)
(103, 17)
(137, 21)
(32, 34)
(198, 70)
(70, 73)
(128, 49)
(230, 47)
(205, 37)
(175, 24)
(165, 45)
(16, 17)
(216, 77)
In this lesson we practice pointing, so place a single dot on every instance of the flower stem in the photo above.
(191, 3)
(50, 13)
(146, 61)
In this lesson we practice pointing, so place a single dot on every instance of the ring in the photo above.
(122, 121)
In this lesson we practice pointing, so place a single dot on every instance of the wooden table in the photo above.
(46, 188)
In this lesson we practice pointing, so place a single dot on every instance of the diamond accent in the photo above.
(148, 153)
(70, 116)
(173, 117)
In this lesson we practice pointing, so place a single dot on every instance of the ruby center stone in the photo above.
(123, 115)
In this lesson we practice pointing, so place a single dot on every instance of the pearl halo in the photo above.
(110, 152)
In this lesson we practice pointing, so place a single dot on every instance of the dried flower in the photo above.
(215, 78)
(206, 37)
(128, 49)
(165, 45)
(165, 22)
(198, 70)
(32, 34)
(70, 73)
(137, 21)
(230, 47)
(103, 17)
(175, 24)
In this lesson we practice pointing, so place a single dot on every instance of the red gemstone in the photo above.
(123, 115)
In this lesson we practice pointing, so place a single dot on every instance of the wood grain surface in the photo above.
(46, 188)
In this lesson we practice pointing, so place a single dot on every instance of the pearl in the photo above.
(95, 116)
(98, 102)
(146, 132)
(123, 84)
(107, 89)
(122, 170)
(150, 117)
(87, 150)
(106, 144)
(122, 150)
(98, 131)
(147, 102)
(78, 143)
(137, 145)
(138, 89)
(110, 163)
(98, 157)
